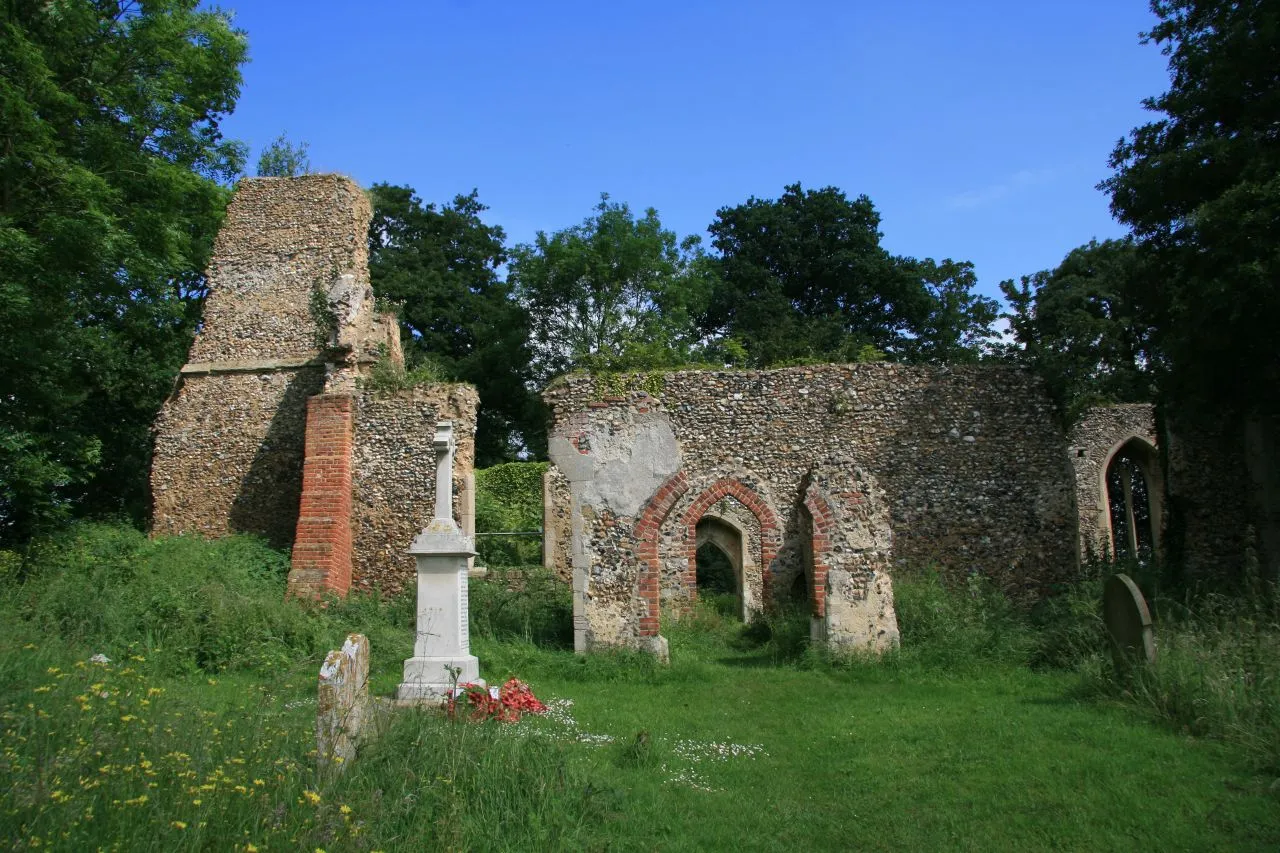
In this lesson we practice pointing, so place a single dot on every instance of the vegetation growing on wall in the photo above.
(509, 500)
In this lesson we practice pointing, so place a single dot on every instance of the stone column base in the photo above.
(657, 646)
(429, 678)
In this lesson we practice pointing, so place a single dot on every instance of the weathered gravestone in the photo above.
(1128, 621)
(343, 702)
(442, 645)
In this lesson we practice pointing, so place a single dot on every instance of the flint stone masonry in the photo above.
(289, 261)
(1100, 434)
(394, 485)
(290, 319)
(1224, 495)
(963, 467)
(228, 455)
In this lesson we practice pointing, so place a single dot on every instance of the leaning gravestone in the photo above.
(342, 702)
(1128, 621)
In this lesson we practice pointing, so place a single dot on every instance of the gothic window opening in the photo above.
(1129, 505)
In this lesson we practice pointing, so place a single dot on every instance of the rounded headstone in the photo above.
(1128, 621)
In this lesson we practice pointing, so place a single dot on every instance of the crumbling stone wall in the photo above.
(269, 430)
(228, 453)
(1095, 440)
(849, 557)
(555, 523)
(970, 460)
(1224, 495)
(394, 482)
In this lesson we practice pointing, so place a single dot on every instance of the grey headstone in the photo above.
(1128, 621)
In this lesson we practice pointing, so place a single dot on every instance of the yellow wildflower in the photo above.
(136, 801)
(312, 797)
(177, 824)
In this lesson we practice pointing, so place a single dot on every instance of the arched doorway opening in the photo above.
(1133, 491)
(719, 561)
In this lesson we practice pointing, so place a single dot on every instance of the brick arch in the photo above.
(824, 528)
(770, 530)
(647, 530)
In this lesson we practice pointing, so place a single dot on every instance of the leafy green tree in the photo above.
(112, 173)
(614, 293)
(804, 277)
(1078, 326)
(958, 328)
(440, 267)
(1200, 187)
(283, 159)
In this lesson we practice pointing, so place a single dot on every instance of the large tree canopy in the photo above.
(1078, 327)
(111, 189)
(1200, 187)
(616, 292)
(440, 267)
(804, 277)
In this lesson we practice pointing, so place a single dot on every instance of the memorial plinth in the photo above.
(442, 644)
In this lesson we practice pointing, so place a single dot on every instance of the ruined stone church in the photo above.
(814, 482)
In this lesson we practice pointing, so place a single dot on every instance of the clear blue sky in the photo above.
(979, 129)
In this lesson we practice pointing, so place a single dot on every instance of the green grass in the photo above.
(896, 757)
(748, 740)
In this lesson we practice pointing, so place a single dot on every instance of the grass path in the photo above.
(874, 759)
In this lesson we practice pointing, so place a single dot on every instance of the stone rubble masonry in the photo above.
(555, 525)
(342, 703)
(1100, 433)
(322, 546)
(394, 476)
(283, 249)
(290, 319)
(963, 468)
(852, 548)
(228, 454)
(1224, 495)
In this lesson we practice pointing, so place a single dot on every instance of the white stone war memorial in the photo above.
(442, 655)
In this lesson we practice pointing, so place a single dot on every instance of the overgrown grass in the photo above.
(975, 735)
(527, 603)
(1217, 671)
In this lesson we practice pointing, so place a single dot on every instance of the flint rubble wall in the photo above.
(289, 316)
(971, 462)
(394, 482)
(1093, 439)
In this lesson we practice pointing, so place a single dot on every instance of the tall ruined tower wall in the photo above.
(270, 430)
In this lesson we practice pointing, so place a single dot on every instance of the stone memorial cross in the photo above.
(442, 644)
